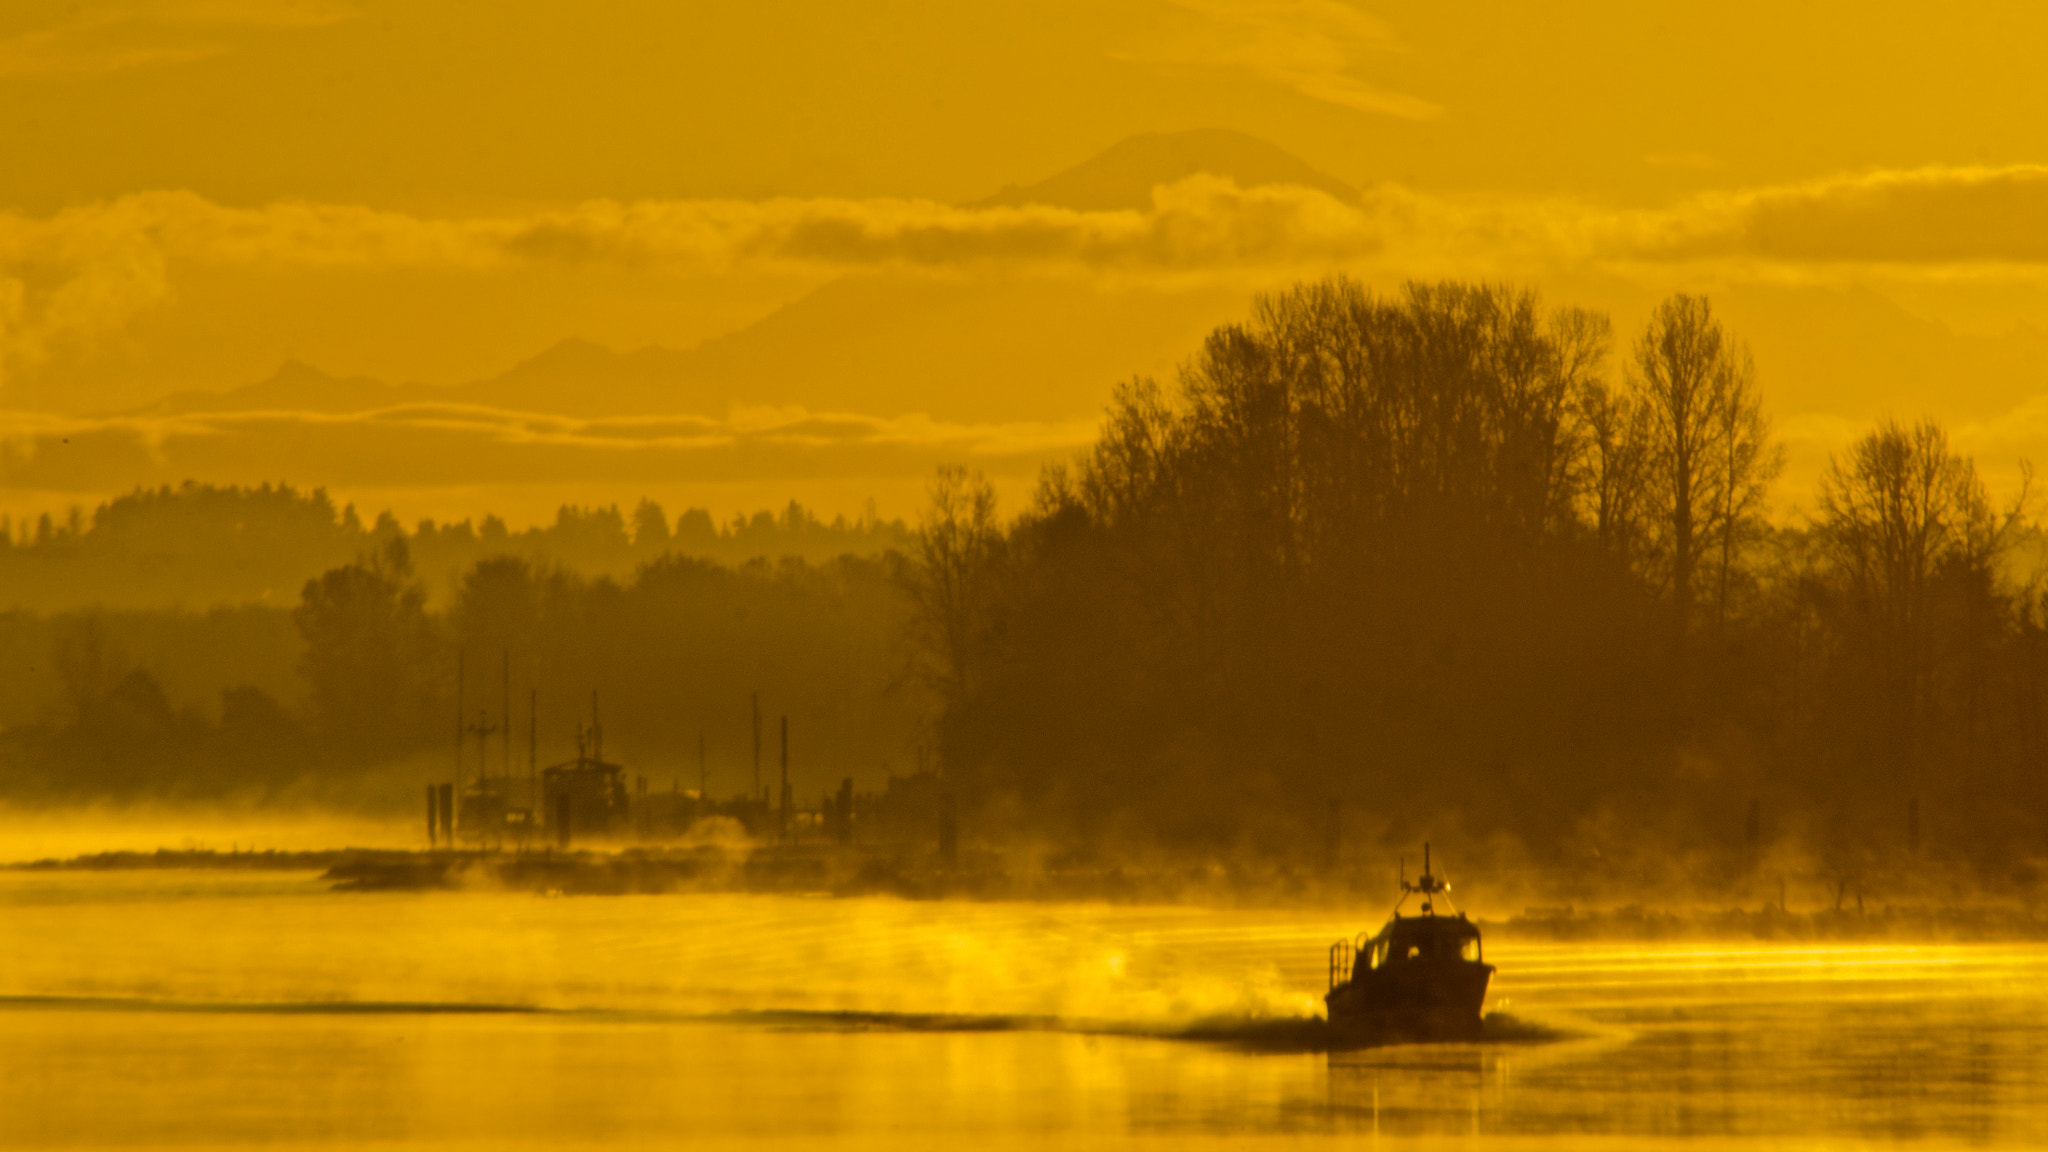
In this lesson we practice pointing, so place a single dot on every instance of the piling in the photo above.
(461, 722)
(846, 810)
(949, 831)
(782, 820)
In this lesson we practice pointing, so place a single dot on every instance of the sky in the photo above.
(437, 191)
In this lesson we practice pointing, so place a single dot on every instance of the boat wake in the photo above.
(1253, 1033)
(1277, 1034)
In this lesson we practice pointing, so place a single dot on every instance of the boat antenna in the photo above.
(1428, 885)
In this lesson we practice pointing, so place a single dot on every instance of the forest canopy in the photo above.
(1443, 560)
(1446, 562)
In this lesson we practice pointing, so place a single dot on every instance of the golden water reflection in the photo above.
(195, 1010)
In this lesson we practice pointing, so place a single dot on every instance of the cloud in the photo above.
(1311, 46)
(82, 275)
(98, 39)
(1926, 216)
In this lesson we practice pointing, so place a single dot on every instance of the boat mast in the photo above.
(1428, 885)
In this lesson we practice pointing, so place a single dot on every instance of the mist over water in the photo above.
(153, 1008)
(28, 834)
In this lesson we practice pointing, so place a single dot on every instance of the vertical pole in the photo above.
(433, 816)
(846, 810)
(533, 754)
(506, 720)
(703, 780)
(785, 777)
(596, 730)
(949, 831)
(757, 746)
(461, 660)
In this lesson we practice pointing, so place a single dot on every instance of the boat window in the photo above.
(1468, 949)
(1414, 952)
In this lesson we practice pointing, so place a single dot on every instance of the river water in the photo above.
(193, 1010)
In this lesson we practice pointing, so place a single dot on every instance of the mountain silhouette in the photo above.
(1050, 348)
(996, 348)
(1123, 176)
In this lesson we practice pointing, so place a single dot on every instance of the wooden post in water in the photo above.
(461, 723)
(757, 748)
(783, 820)
(846, 810)
(433, 815)
(949, 831)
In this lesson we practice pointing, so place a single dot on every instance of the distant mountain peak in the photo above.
(295, 373)
(574, 350)
(1122, 176)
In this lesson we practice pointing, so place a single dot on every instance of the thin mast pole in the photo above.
(461, 658)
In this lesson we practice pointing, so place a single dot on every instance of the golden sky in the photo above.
(196, 191)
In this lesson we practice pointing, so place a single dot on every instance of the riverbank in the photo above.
(833, 870)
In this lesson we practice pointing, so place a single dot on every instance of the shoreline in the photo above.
(836, 871)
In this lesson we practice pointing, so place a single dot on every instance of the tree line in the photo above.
(203, 545)
(1448, 561)
(350, 696)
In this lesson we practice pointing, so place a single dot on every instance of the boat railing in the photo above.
(1343, 955)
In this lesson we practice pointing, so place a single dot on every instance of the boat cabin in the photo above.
(1420, 938)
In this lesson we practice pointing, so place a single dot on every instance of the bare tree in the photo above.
(1909, 529)
(1745, 464)
(959, 544)
(1616, 463)
(1894, 512)
(1709, 456)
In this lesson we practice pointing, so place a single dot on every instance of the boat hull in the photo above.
(1430, 1001)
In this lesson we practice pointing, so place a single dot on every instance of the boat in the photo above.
(1420, 978)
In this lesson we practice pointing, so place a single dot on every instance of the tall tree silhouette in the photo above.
(1710, 455)
(370, 655)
